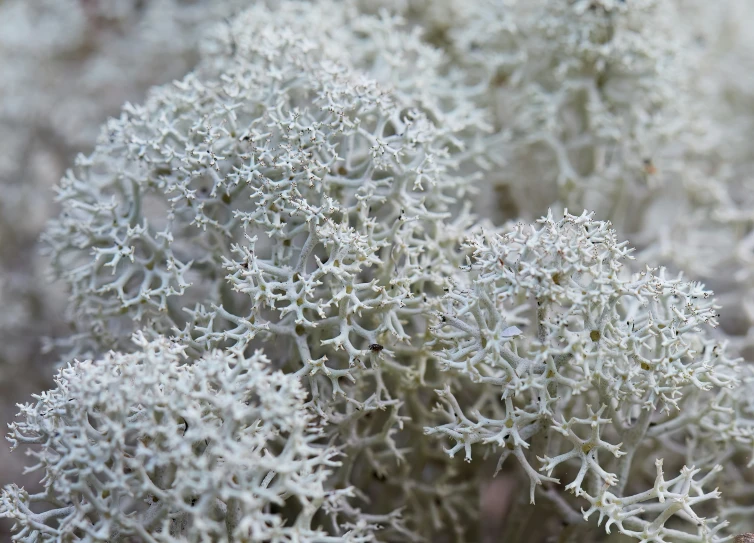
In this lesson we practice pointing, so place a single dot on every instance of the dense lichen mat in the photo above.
(394, 270)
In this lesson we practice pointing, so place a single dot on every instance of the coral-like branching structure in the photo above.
(146, 446)
(290, 200)
(354, 188)
(579, 363)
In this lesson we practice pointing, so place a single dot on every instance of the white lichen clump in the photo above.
(580, 364)
(355, 189)
(290, 200)
(312, 191)
(147, 446)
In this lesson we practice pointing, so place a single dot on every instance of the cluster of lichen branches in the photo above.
(291, 321)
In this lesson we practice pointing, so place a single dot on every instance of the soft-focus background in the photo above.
(680, 190)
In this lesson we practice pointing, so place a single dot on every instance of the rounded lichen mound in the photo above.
(143, 446)
(291, 180)
(290, 201)
(572, 365)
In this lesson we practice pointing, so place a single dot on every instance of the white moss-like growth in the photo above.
(384, 46)
(588, 360)
(144, 446)
(307, 190)
(323, 201)
(290, 200)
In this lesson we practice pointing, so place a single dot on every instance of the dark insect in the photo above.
(376, 347)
